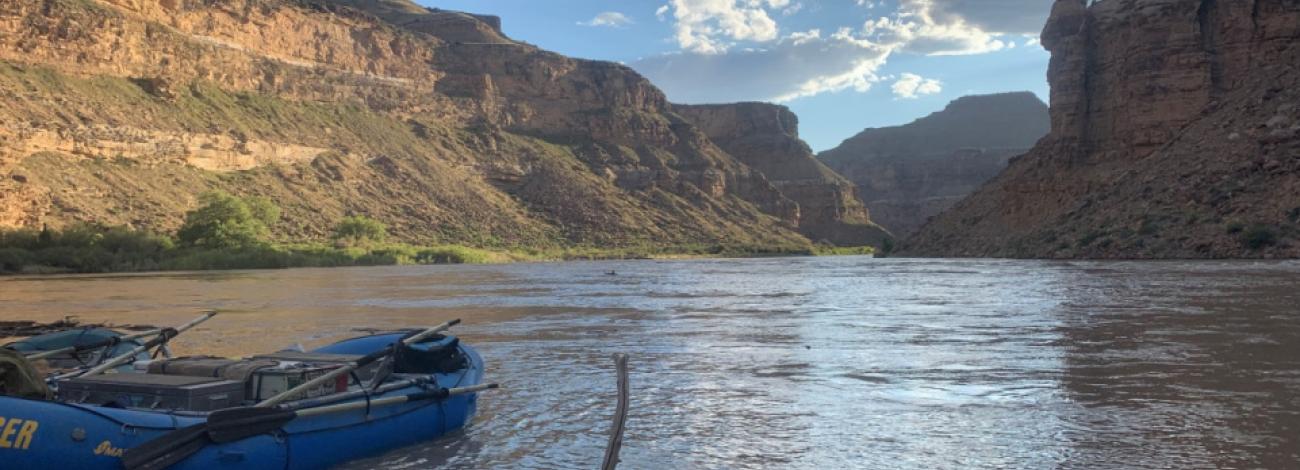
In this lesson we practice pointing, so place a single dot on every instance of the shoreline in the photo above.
(290, 256)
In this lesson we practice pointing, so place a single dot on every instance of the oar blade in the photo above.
(242, 423)
(173, 447)
(174, 456)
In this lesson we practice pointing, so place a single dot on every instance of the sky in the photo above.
(841, 65)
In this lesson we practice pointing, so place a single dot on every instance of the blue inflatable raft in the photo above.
(78, 337)
(52, 434)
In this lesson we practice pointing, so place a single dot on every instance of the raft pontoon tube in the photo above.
(416, 393)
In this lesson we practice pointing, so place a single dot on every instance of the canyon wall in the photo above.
(1175, 134)
(436, 122)
(908, 174)
(766, 137)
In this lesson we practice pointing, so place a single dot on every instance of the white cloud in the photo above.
(799, 65)
(916, 28)
(610, 19)
(912, 86)
(734, 50)
(711, 26)
(996, 16)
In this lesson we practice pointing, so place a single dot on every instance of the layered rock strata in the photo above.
(436, 122)
(908, 174)
(766, 137)
(1174, 135)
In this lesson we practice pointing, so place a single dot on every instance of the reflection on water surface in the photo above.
(798, 363)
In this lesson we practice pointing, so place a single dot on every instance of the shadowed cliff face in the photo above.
(766, 137)
(122, 111)
(909, 173)
(1174, 135)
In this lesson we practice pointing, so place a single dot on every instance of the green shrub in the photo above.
(125, 240)
(452, 255)
(1090, 237)
(74, 258)
(229, 222)
(82, 248)
(23, 238)
(13, 260)
(360, 230)
(1258, 237)
(844, 250)
(1148, 228)
(887, 247)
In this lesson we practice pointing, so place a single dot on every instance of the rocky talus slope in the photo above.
(1175, 134)
(908, 174)
(766, 137)
(436, 122)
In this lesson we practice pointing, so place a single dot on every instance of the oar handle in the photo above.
(362, 362)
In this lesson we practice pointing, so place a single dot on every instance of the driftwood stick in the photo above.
(620, 415)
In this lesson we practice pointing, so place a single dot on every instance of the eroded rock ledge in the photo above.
(910, 173)
(121, 111)
(1174, 135)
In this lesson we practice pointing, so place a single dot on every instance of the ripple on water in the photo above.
(837, 362)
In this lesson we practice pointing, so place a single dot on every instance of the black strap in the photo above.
(161, 340)
(75, 354)
(357, 378)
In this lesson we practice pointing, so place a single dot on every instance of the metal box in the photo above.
(270, 382)
(149, 391)
(295, 358)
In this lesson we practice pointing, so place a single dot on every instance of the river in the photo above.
(836, 362)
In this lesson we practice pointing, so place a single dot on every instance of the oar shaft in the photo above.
(95, 345)
(324, 379)
(336, 373)
(345, 396)
(130, 356)
(142, 334)
(357, 405)
(69, 349)
(430, 332)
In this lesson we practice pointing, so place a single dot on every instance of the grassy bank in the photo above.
(150, 253)
(228, 232)
(91, 249)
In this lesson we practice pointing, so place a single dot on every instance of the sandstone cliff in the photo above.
(1174, 135)
(766, 137)
(122, 111)
(909, 173)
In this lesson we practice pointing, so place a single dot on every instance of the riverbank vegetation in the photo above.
(229, 232)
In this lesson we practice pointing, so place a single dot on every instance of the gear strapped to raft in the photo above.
(19, 378)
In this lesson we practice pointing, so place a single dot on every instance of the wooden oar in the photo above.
(177, 445)
(104, 343)
(165, 335)
(242, 423)
(236, 424)
(364, 361)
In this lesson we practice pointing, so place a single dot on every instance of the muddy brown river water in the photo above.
(839, 362)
